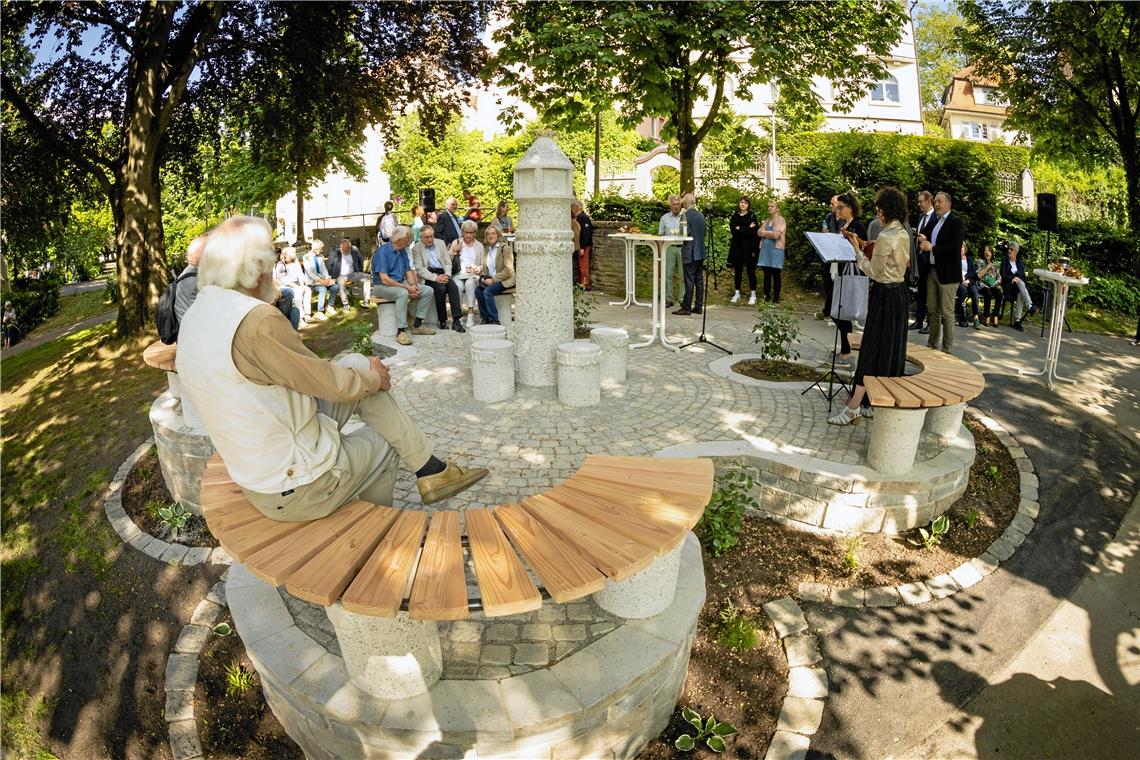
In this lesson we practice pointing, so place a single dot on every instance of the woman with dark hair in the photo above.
(989, 287)
(742, 250)
(883, 350)
(847, 216)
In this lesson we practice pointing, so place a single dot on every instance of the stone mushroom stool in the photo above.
(487, 332)
(615, 350)
(385, 316)
(579, 373)
(493, 369)
(503, 303)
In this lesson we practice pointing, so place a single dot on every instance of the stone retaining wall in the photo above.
(608, 699)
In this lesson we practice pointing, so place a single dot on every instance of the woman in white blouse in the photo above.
(287, 273)
(466, 253)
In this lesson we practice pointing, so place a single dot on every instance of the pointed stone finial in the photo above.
(544, 173)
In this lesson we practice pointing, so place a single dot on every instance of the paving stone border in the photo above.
(802, 709)
(133, 535)
(968, 573)
(182, 673)
(722, 367)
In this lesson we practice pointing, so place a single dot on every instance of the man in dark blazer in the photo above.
(942, 237)
(346, 266)
(693, 257)
(447, 224)
(921, 261)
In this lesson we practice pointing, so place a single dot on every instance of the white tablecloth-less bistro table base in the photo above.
(659, 242)
(630, 272)
(1060, 285)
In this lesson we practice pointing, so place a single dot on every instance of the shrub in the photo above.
(719, 526)
(584, 303)
(776, 330)
(34, 300)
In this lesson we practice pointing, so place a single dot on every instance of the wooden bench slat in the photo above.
(695, 466)
(877, 393)
(244, 540)
(929, 397)
(325, 576)
(965, 384)
(439, 591)
(611, 552)
(904, 399)
(275, 562)
(564, 574)
(379, 587)
(504, 585)
(664, 507)
(622, 517)
(950, 394)
(691, 485)
(161, 356)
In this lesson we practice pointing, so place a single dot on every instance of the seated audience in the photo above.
(989, 286)
(496, 274)
(275, 411)
(967, 287)
(394, 278)
(188, 285)
(289, 274)
(1013, 284)
(11, 325)
(465, 252)
(345, 266)
(318, 279)
(428, 258)
(502, 218)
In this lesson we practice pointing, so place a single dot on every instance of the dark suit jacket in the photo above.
(334, 262)
(971, 270)
(586, 237)
(1007, 275)
(694, 250)
(445, 230)
(948, 249)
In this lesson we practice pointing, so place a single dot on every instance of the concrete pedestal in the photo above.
(945, 421)
(386, 318)
(503, 304)
(183, 451)
(615, 352)
(894, 439)
(487, 332)
(189, 413)
(390, 658)
(579, 373)
(645, 594)
(493, 370)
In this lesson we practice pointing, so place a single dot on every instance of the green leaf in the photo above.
(685, 743)
(166, 513)
(691, 715)
(724, 729)
(709, 724)
(716, 744)
(223, 629)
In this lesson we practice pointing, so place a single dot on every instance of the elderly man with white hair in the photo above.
(394, 277)
(275, 411)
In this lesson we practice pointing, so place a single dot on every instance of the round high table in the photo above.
(630, 271)
(1060, 285)
(658, 243)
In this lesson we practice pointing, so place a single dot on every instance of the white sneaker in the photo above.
(470, 319)
(319, 316)
(752, 298)
(735, 297)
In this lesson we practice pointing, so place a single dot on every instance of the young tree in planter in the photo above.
(660, 59)
(1071, 73)
(131, 83)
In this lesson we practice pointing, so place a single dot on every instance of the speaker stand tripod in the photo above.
(704, 322)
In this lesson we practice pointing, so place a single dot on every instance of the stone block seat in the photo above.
(385, 316)
(610, 520)
(503, 303)
(932, 399)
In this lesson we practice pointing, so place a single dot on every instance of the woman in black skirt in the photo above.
(742, 251)
(883, 350)
(847, 214)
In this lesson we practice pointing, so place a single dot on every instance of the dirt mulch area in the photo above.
(145, 491)
(777, 371)
(239, 724)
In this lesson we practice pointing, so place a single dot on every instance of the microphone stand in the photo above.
(704, 321)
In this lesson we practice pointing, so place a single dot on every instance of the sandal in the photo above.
(848, 416)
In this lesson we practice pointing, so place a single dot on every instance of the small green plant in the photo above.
(938, 529)
(361, 337)
(174, 519)
(851, 546)
(155, 506)
(238, 679)
(223, 629)
(993, 473)
(584, 303)
(971, 517)
(736, 631)
(720, 525)
(776, 331)
(711, 731)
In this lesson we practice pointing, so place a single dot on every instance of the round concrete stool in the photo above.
(579, 373)
(615, 348)
(487, 332)
(493, 369)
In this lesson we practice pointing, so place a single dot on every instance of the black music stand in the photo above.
(832, 255)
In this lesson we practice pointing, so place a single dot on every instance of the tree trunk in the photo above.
(300, 212)
(142, 274)
(688, 152)
(597, 154)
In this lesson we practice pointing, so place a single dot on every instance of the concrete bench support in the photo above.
(493, 370)
(390, 658)
(894, 439)
(182, 449)
(615, 350)
(945, 421)
(579, 373)
(645, 594)
(190, 414)
(487, 332)
(503, 304)
(386, 318)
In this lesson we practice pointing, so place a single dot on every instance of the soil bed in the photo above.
(238, 725)
(145, 491)
(777, 371)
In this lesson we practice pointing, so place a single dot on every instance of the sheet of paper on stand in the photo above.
(831, 246)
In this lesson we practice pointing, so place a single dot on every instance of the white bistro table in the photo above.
(1060, 285)
(630, 270)
(658, 243)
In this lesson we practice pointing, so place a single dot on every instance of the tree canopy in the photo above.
(938, 57)
(1071, 73)
(662, 59)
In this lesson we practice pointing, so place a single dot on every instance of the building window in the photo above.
(972, 130)
(886, 90)
(987, 96)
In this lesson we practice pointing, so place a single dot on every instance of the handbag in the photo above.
(849, 297)
(990, 280)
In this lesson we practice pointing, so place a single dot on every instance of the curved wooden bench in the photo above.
(933, 398)
(610, 519)
(161, 356)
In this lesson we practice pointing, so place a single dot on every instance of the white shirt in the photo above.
(466, 257)
(492, 252)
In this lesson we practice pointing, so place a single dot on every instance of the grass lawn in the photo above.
(74, 309)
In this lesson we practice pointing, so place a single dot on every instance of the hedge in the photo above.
(34, 300)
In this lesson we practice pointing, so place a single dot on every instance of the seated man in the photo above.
(496, 274)
(429, 257)
(394, 278)
(346, 266)
(188, 280)
(275, 411)
(1013, 285)
(317, 276)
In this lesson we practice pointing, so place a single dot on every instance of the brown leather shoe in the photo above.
(444, 485)
(422, 331)
(403, 338)
(682, 312)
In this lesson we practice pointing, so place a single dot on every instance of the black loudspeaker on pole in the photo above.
(1047, 212)
(427, 199)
